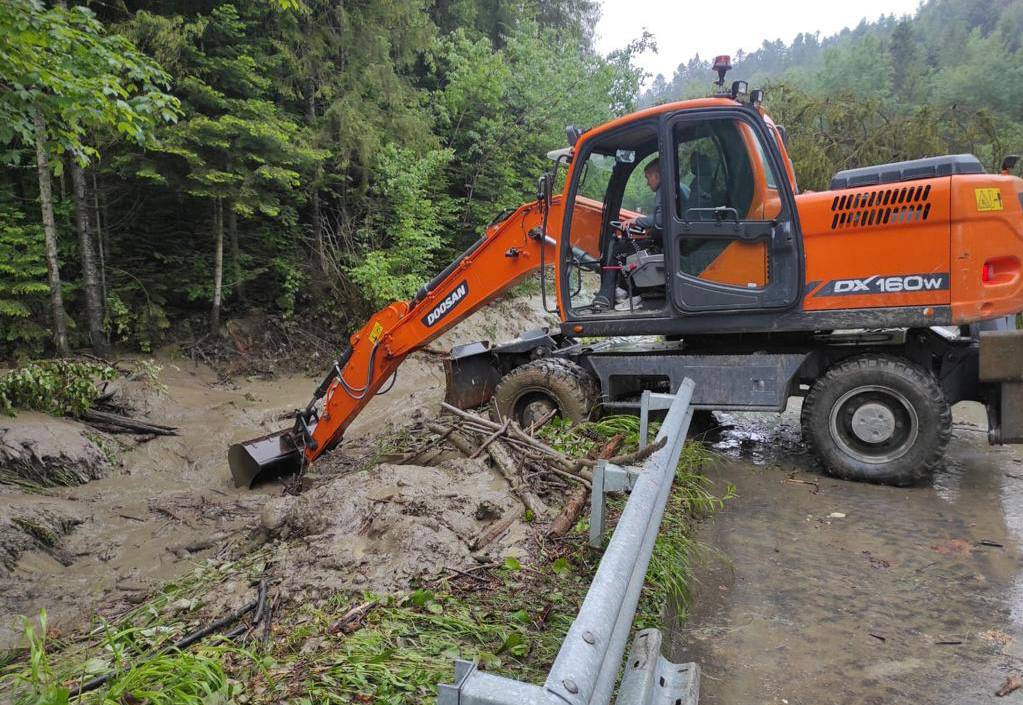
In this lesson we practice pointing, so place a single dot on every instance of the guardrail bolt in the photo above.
(570, 686)
(589, 638)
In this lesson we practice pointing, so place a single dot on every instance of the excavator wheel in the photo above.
(877, 418)
(529, 392)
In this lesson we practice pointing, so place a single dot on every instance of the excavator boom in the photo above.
(508, 251)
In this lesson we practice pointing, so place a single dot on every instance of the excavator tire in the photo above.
(877, 418)
(530, 391)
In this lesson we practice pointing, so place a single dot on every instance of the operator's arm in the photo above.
(503, 256)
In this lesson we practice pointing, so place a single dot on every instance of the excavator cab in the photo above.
(728, 237)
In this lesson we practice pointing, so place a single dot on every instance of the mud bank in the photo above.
(170, 502)
(37, 450)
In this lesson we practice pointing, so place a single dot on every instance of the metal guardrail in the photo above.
(588, 663)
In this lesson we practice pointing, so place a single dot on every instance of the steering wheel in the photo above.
(629, 231)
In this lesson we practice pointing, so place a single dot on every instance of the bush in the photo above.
(141, 323)
(58, 387)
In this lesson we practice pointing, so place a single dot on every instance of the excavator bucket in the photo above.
(264, 458)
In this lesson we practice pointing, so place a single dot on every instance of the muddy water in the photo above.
(841, 592)
(172, 502)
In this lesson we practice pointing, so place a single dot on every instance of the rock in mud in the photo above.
(383, 529)
(43, 451)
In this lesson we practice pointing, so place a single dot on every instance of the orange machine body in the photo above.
(953, 242)
(960, 238)
(931, 242)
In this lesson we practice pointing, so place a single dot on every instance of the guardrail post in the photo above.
(650, 401)
(607, 477)
(651, 679)
(597, 506)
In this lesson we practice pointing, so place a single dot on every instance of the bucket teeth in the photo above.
(264, 458)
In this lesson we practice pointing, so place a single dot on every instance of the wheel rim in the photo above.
(874, 424)
(532, 405)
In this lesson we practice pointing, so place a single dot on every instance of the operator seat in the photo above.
(697, 253)
(700, 190)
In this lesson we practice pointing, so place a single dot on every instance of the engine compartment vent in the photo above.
(928, 168)
(888, 206)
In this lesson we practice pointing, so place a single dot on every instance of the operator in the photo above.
(609, 279)
(652, 173)
(654, 223)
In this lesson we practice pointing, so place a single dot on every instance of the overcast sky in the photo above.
(683, 28)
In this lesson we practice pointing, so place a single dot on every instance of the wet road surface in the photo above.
(820, 591)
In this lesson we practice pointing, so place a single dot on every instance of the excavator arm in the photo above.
(508, 251)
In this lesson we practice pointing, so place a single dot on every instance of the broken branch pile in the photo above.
(530, 466)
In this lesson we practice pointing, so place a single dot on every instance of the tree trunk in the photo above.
(236, 258)
(100, 245)
(314, 196)
(90, 277)
(50, 235)
(317, 216)
(218, 264)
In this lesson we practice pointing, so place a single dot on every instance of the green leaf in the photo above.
(560, 567)
(520, 616)
(515, 644)
(420, 598)
(512, 563)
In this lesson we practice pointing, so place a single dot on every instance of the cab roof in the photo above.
(677, 106)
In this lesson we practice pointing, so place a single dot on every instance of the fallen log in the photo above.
(573, 508)
(492, 532)
(577, 500)
(453, 437)
(126, 422)
(505, 464)
(630, 458)
(490, 439)
(512, 434)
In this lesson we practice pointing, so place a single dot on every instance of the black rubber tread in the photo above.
(574, 389)
(919, 387)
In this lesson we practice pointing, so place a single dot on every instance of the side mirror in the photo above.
(543, 188)
(625, 156)
(1009, 163)
(573, 134)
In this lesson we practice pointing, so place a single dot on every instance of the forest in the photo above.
(171, 164)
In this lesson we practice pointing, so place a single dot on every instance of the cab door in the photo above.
(732, 242)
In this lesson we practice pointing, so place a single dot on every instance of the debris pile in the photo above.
(389, 527)
(468, 494)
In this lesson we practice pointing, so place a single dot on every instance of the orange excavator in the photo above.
(681, 246)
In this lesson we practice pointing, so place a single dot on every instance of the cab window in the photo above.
(724, 175)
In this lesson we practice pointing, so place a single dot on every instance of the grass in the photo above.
(512, 622)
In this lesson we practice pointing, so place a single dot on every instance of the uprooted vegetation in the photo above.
(40, 526)
(389, 636)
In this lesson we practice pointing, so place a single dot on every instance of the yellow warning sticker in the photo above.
(989, 199)
(375, 332)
